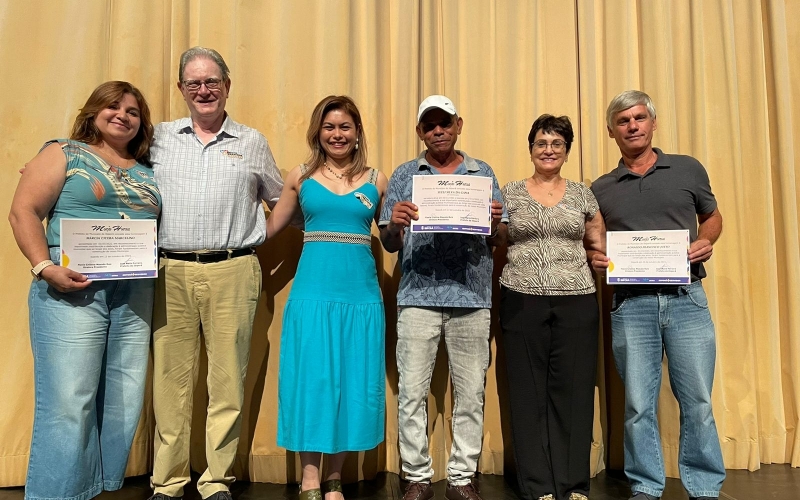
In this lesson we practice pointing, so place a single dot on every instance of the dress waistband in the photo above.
(334, 237)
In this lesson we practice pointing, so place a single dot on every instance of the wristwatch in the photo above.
(38, 268)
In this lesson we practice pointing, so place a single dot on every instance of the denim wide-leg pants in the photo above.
(90, 352)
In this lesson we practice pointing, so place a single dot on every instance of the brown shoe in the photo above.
(418, 491)
(465, 492)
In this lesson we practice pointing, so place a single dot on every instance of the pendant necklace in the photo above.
(549, 193)
(335, 174)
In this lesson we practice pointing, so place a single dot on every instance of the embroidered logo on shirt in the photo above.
(363, 199)
(232, 154)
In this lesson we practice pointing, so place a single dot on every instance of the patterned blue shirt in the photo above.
(442, 269)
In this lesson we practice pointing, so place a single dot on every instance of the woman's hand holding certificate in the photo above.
(104, 249)
(648, 257)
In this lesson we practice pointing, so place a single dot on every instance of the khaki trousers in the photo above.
(217, 300)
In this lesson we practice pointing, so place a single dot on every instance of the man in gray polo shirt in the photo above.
(653, 190)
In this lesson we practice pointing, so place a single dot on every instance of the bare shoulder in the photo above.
(382, 182)
(292, 180)
(48, 162)
(52, 151)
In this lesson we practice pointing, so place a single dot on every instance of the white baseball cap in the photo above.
(436, 101)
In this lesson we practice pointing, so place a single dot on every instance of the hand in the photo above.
(403, 212)
(497, 214)
(63, 279)
(700, 251)
(599, 262)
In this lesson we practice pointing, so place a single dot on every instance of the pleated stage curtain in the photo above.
(724, 76)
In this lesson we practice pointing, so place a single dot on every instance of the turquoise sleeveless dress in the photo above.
(331, 382)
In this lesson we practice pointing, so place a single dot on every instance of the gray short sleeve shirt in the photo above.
(668, 196)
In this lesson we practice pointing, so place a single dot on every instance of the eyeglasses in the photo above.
(557, 146)
(211, 84)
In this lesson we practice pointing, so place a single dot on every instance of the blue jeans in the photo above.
(90, 353)
(466, 335)
(675, 320)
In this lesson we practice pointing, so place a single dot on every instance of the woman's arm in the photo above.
(382, 184)
(38, 189)
(287, 205)
(594, 241)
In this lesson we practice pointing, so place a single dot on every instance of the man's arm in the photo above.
(707, 234)
(403, 212)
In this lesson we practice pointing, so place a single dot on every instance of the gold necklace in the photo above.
(549, 193)
(107, 158)
(337, 175)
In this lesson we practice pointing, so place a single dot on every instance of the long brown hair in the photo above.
(103, 96)
(317, 156)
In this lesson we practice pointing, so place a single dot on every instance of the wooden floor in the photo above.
(771, 482)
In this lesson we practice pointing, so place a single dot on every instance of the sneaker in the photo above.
(549, 496)
(220, 495)
(643, 496)
(577, 496)
(161, 496)
(465, 492)
(418, 491)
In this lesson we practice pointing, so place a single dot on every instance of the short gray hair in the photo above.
(627, 100)
(195, 52)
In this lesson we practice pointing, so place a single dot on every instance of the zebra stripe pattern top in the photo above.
(545, 252)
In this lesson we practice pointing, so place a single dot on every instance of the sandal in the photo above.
(314, 494)
(331, 486)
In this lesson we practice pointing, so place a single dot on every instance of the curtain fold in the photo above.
(724, 76)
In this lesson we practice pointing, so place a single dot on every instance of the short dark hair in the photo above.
(103, 96)
(550, 124)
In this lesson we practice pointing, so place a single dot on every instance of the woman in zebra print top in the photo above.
(549, 316)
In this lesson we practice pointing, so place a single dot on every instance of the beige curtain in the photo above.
(724, 76)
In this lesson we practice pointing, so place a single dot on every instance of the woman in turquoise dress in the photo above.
(331, 384)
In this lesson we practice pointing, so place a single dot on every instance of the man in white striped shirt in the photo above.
(213, 174)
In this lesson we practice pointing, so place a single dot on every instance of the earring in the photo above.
(356, 144)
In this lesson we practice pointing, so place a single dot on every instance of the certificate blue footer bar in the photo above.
(449, 228)
(122, 275)
(649, 281)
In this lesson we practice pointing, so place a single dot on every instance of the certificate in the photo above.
(110, 249)
(452, 204)
(648, 257)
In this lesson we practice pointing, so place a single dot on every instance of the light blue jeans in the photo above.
(90, 352)
(644, 326)
(466, 335)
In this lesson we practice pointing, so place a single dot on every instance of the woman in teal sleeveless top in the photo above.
(331, 386)
(90, 340)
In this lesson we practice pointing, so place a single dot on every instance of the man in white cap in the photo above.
(445, 289)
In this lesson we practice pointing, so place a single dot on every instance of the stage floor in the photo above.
(773, 482)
